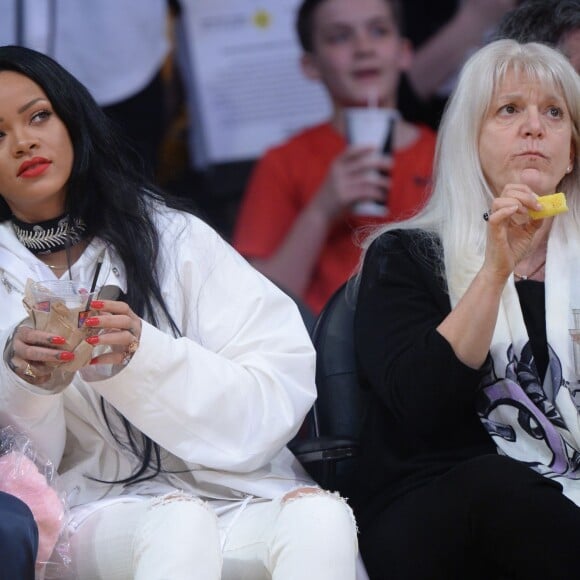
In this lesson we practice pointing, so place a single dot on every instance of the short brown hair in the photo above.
(305, 20)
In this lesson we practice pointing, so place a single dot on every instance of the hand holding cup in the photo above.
(118, 331)
(372, 127)
(50, 345)
(356, 174)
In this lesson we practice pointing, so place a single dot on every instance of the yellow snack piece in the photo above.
(551, 204)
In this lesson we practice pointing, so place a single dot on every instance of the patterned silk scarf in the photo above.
(539, 424)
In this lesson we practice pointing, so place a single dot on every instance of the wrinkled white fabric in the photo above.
(221, 401)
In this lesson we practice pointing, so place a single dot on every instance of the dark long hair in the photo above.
(108, 190)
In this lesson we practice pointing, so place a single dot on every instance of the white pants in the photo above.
(175, 537)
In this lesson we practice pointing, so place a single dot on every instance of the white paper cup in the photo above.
(369, 126)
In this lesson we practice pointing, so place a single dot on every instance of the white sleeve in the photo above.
(235, 389)
(37, 413)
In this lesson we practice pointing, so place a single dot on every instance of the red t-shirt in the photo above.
(287, 177)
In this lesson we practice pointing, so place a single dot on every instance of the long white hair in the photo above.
(461, 193)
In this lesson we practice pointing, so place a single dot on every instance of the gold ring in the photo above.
(29, 372)
(129, 352)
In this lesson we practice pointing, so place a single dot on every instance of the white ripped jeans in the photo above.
(175, 537)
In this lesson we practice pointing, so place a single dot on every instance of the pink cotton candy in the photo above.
(20, 477)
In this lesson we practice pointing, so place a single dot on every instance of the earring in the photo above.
(568, 169)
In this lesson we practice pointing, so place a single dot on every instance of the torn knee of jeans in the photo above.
(305, 492)
(178, 496)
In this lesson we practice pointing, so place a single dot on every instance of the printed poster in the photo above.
(246, 88)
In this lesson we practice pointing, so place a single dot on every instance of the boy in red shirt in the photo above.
(296, 223)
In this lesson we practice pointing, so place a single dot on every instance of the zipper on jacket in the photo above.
(9, 285)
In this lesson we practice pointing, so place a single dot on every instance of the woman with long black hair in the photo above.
(201, 370)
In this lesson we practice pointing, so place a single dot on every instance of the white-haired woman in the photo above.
(471, 462)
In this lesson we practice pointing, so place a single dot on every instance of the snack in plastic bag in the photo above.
(32, 479)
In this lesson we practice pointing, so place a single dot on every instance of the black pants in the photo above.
(18, 539)
(489, 517)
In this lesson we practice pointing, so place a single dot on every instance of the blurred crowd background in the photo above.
(130, 53)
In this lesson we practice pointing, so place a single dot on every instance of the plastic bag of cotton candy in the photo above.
(25, 474)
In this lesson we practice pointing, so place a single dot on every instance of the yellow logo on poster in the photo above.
(262, 19)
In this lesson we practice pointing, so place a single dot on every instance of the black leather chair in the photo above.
(328, 445)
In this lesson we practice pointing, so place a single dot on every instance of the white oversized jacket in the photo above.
(222, 401)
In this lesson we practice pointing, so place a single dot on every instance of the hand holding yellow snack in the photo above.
(551, 204)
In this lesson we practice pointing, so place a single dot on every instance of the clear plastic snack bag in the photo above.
(25, 474)
(61, 307)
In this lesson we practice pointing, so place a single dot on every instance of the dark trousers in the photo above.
(489, 517)
(18, 539)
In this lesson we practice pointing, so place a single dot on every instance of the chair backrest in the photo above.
(339, 408)
(327, 444)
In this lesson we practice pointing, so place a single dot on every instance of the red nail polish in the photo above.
(92, 340)
(66, 356)
(94, 361)
(57, 340)
(97, 304)
(92, 321)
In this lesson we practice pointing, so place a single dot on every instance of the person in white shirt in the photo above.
(170, 438)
